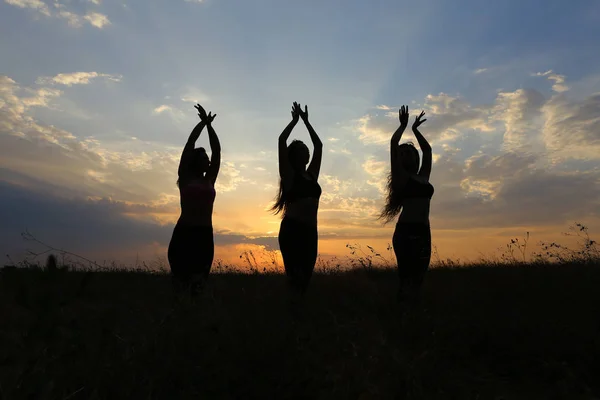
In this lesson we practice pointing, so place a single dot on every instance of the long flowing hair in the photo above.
(395, 196)
(298, 155)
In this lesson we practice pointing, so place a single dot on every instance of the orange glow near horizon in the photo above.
(462, 246)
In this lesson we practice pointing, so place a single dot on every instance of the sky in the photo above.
(97, 96)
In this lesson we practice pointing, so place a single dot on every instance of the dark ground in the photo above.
(513, 332)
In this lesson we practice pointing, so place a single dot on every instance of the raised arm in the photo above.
(399, 174)
(215, 147)
(315, 164)
(425, 171)
(189, 146)
(285, 169)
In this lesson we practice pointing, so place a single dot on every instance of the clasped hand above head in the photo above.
(298, 113)
(206, 118)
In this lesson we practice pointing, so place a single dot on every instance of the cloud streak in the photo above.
(78, 78)
(36, 5)
(61, 11)
(559, 80)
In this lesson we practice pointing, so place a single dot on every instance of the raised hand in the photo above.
(303, 114)
(210, 117)
(403, 116)
(418, 120)
(201, 111)
(296, 110)
(206, 118)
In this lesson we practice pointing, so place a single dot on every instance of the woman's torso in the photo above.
(197, 200)
(416, 202)
(303, 199)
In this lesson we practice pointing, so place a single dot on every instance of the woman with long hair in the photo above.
(298, 201)
(191, 250)
(409, 194)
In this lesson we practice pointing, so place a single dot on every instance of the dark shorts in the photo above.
(191, 251)
(298, 243)
(412, 245)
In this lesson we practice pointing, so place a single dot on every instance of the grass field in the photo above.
(481, 332)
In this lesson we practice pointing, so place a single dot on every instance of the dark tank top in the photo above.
(416, 189)
(198, 192)
(303, 188)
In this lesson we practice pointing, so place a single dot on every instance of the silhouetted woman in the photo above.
(298, 201)
(409, 190)
(191, 250)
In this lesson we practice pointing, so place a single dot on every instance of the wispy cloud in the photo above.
(230, 177)
(40, 97)
(533, 136)
(559, 80)
(96, 19)
(173, 112)
(374, 130)
(37, 5)
(162, 108)
(61, 11)
(77, 78)
(193, 95)
(377, 171)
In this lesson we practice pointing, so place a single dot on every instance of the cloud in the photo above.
(96, 19)
(526, 120)
(92, 227)
(374, 130)
(37, 5)
(447, 116)
(377, 171)
(485, 174)
(194, 95)
(534, 198)
(54, 154)
(229, 177)
(508, 190)
(518, 111)
(104, 191)
(77, 78)
(559, 80)
(480, 70)
(572, 128)
(41, 97)
(162, 108)
(75, 20)
(175, 113)
(533, 145)
(497, 168)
